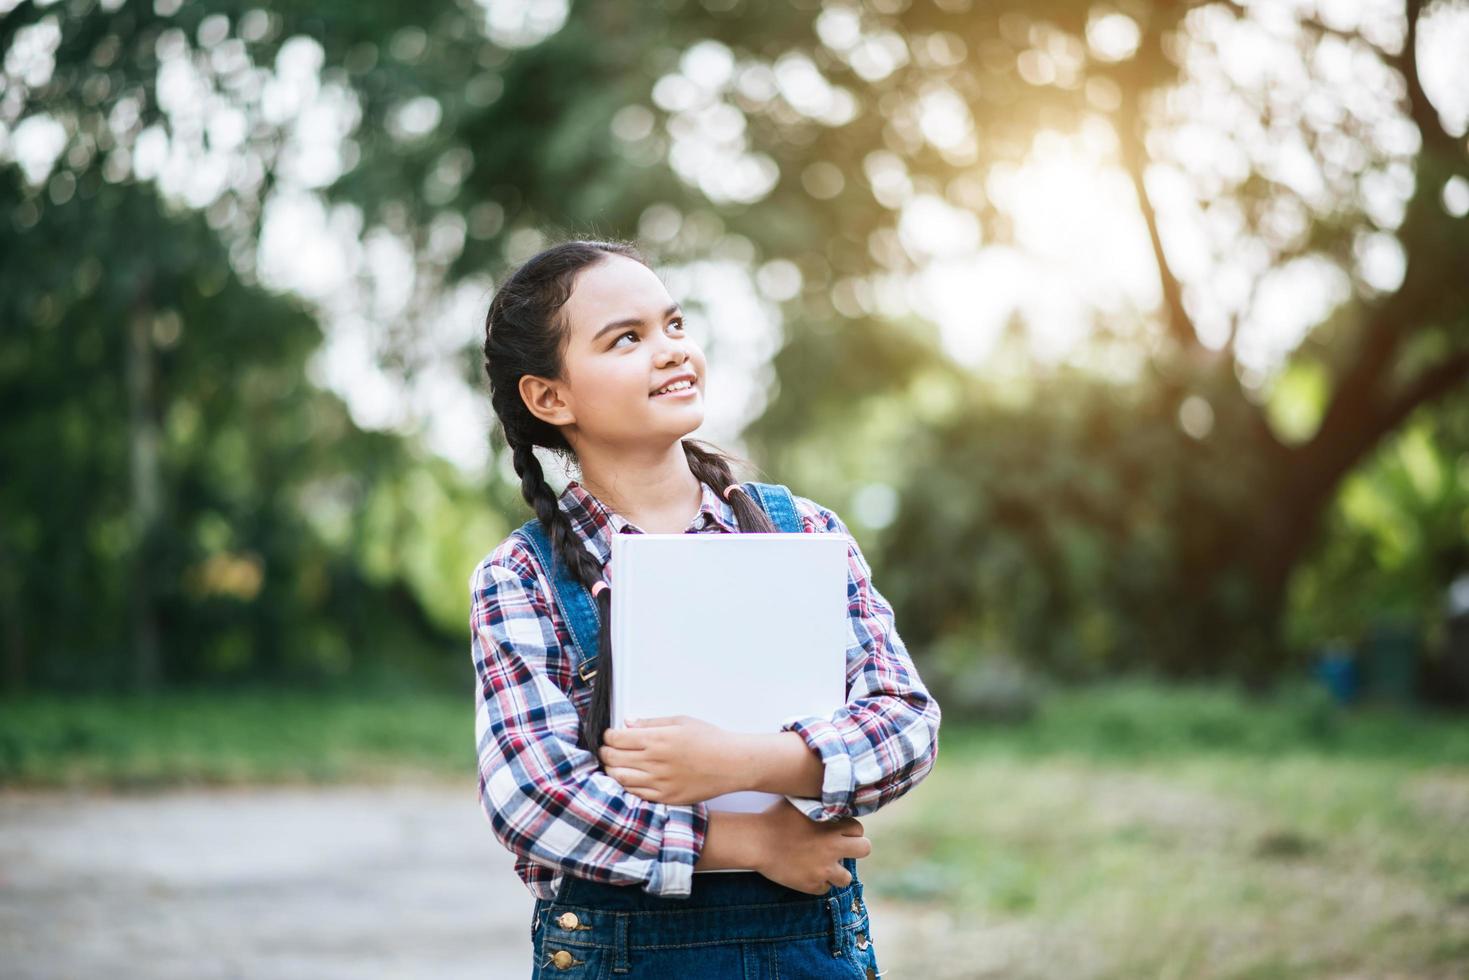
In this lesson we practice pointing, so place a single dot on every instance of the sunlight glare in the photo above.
(1079, 247)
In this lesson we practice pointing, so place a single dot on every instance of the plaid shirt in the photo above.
(546, 795)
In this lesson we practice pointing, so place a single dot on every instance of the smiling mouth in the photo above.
(685, 389)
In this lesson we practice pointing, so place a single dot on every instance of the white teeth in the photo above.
(676, 386)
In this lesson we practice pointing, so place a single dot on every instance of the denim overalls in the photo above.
(736, 924)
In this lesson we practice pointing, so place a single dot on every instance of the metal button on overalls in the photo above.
(567, 920)
(862, 940)
(561, 959)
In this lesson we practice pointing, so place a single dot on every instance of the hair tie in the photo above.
(598, 586)
(733, 486)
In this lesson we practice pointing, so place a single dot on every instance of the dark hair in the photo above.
(526, 334)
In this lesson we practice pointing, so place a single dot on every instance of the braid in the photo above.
(712, 468)
(567, 547)
(542, 499)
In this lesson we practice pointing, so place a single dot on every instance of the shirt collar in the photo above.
(595, 522)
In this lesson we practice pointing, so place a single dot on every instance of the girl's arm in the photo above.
(784, 846)
(682, 759)
(782, 762)
(885, 739)
(733, 840)
(545, 796)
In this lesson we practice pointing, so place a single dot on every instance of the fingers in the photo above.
(623, 738)
(835, 876)
(851, 827)
(633, 779)
(617, 757)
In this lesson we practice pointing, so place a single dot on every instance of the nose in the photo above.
(675, 353)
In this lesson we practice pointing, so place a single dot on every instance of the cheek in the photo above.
(615, 385)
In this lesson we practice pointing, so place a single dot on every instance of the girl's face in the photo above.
(627, 340)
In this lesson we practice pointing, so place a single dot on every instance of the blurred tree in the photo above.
(181, 504)
(172, 485)
(1395, 535)
(822, 144)
(808, 133)
(1239, 497)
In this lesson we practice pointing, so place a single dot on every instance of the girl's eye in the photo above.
(634, 334)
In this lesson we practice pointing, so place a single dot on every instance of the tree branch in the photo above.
(1428, 386)
(1241, 11)
(1338, 432)
(1134, 160)
(1420, 109)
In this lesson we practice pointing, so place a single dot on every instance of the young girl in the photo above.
(587, 357)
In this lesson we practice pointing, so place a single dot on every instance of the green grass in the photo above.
(1142, 832)
(248, 736)
(1124, 831)
(182, 739)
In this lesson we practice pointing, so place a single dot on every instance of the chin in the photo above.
(683, 418)
(681, 427)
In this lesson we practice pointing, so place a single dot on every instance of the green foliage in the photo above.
(1297, 399)
(1060, 525)
(1394, 538)
(257, 562)
(170, 469)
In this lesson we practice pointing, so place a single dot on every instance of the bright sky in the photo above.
(1080, 250)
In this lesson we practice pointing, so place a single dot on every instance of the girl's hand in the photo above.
(676, 760)
(805, 855)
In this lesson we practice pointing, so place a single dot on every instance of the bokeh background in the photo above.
(1131, 340)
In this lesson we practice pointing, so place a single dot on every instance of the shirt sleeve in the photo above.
(884, 740)
(545, 794)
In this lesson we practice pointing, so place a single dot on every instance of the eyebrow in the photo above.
(633, 322)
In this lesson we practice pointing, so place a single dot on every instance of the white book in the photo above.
(744, 631)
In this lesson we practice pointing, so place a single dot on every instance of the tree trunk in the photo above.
(17, 654)
(146, 497)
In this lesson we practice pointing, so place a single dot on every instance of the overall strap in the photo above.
(572, 598)
(776, 501)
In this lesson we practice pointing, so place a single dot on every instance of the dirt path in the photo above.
(279, 883)
(351, 882)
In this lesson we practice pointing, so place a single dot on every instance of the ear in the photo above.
(545, 399)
